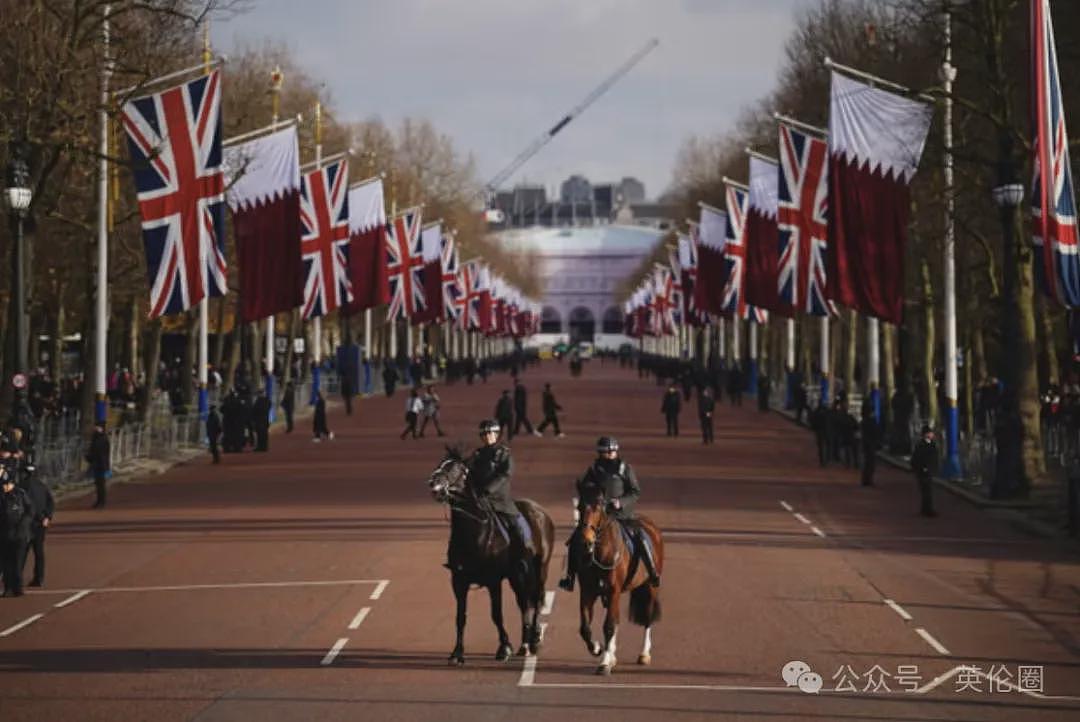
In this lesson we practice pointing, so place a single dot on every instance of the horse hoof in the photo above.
(596, 649)
(504, 653)
(604, 670)
(456, 661)
(534, 648)
(644, 659)
(523, 651)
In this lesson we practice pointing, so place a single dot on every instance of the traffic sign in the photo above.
(19, 381)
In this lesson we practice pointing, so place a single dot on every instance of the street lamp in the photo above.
(17, 197)
(1009, 468)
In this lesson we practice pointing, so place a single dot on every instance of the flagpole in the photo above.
(952, 469)
(101, 326)
(824, 363)
(204, 304)
(721, 341)
(276, 79)
(393, 321)
(316, 325)
(789, 402)
(752, 349)
(873, 375)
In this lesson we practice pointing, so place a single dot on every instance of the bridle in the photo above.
(449, 494)
(598, 531)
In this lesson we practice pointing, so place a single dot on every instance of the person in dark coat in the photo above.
(490, 468)
(871, 442)
(347, 390)
(318, 419)
(612, 480)
(260, 421)
(213, 432)
(504, 415)
(849, 438)
(288, 404)
(670, 406)
(390, 378)
(735, 384)
(44, 506)
(16, 519)
(799, 399)
(819, 423)
(706, 406)
(551, 410)
(98, 458)
(764, 388)
(521, 410)
(924, 460)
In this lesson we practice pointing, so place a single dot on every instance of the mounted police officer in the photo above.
(490, 469)
(614, 480)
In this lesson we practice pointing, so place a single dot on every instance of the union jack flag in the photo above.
(470, 303)
(406, 265)
(735, 255)
(802, 222)
(1053, 202)
(676, 284)
(664, 299)
(174, 138)
(450, 288)
(324, 240)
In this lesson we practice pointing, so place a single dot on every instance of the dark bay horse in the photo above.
(606, 569)
(480, 554)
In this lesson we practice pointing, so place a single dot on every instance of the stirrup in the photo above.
(654, 581)
(566, 584)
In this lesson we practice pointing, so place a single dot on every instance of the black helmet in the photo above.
(489, 425)
(606, 443)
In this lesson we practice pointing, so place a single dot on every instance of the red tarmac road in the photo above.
(306, 584)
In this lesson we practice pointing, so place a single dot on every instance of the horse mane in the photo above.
(593, 496)
(455, 452)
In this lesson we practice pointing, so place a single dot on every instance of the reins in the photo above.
(592, 554)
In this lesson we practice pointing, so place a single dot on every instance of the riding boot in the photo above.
(646, 557)
(567, 582)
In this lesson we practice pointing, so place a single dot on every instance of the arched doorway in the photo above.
(550, 320)
(613, 320)
(582, 325)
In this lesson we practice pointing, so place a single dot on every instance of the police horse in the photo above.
(480, 554)
(607, 568)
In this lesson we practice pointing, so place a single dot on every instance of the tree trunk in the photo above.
(978, 352)
(191, 354)
(888, 373)
(1028, 386)
(290, 336)
(234, 349)
(1049, 347)
(151, 362)
(56, 351)
(134, 333)
(968, 390)
(219, 350)
(851, 352)
(930, 412)
(35, 325)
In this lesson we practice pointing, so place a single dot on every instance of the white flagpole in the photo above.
(790, 364)
(101, 326)
(752, 348)
(204, 304)
(952, 467)
(721, 340)
(316, 326)
(873, 356)
(275, 89)
(736, 324)
(824, 362)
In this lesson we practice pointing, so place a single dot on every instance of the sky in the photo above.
(496, 74)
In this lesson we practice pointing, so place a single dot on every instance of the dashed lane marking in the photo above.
(380, 584)
(334, 651)
(817, 531)
(528, 670)
(787, 507)
(898, 609)
(801, 518)
(72, 599)
(938, 646)
(379, 588)
(24, 623)
(359, 618)
(549, 602)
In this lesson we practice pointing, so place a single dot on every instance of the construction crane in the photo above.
(535, 147)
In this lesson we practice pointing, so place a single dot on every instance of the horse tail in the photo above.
(645, 606)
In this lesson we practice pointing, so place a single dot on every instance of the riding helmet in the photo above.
(489, 425)
(606, 443)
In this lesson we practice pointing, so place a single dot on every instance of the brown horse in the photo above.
(606, 569)
(480, 555)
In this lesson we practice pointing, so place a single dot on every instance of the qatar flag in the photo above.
(762, 239)
(875, 141)
(711, 265)
(367, 247)
(431, 241)
(264, 197)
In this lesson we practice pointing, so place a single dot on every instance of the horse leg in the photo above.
(504, 651)
(461, 593)
(611, 629)
(586, 609)
(646, 648)
(521, 593)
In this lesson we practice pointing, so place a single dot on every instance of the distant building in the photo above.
(632, 190)
(581, 203)
(575, 189)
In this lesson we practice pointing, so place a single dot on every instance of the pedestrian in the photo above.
(763, 390)
(213, 432)
(288, 404)
(390, 378)
(799, 399)
(871, 442)
(260, 422)
(819, 423)
(44, 506)
(318, 421)
(551, 416)
(670, 406)
(16, 517)
(706, 405)
(924, 459)
(521, 412)
(431, 404)
(98, 458)
(736, 383)
(504, 414)
(413, 408)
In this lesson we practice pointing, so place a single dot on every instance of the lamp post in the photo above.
(1008, 468)
(17, 197)
(952, 469)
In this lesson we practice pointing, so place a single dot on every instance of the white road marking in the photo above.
(938, 646)
(379, 588)
(72, 599)
(801, 518)
(359, 618)
(528, 673)
(898, 609)
(817, 531)
(338, 646)
(380, 584)
(787, 507)
(549, 602)
(24, 623)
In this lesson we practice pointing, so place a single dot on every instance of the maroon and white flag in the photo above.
(711, 264)
(762, 241)
(264, 198)
(875, 141)
(431, 242)
(367, 247)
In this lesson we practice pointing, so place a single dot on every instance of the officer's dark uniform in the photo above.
(670, 407)
(490, 469)
(44, 505)
(504, 414)
(706, 406)
(16, 517)
(924, 460)
(213, 432)
(871, 441)
(260, 421)
(611, 479)
(288, 404)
